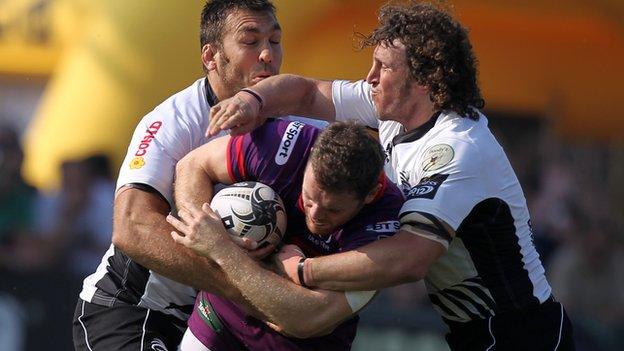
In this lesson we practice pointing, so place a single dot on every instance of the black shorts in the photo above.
(545, 327)
(129, 327)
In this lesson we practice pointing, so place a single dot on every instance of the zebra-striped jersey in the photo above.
(460, 185)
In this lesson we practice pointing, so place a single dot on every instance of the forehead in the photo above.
(241, 20)
(384, 51)
(325, 198)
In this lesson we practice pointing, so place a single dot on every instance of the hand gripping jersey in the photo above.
(160, 140)
(276, 154)
(452, 169)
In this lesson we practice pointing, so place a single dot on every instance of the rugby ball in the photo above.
(251, 210)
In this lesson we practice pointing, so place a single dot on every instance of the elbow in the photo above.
(121, 234)
(124, 223)
(416, 275)
(185, 163)
(319, 322)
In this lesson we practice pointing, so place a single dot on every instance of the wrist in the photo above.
(300, 272)
(256, 97)
(307, 273)
(304, 272)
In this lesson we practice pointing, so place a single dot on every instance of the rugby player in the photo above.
(134, 301)
(336, 198)
(465, 227)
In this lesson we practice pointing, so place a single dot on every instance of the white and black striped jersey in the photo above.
(160, 140)
(460, 188)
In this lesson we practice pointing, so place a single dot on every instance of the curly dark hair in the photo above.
(346, 158)
(438, 52)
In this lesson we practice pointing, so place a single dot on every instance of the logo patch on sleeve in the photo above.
(427, 188)
(288, 142)
(137, 163)
(437, 156)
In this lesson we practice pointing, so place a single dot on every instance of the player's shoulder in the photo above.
(384, 208)
(454, 141)
(185, 109)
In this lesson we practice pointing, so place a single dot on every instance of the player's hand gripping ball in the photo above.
(251, 210)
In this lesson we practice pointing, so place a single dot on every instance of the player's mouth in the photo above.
(260, 77)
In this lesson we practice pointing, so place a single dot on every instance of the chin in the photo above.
(319, 231)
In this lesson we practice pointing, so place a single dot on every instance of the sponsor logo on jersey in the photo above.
(288, 142)
(427, 188)
(150, 133)
(137, 163)
(383, 227)
(437, 157)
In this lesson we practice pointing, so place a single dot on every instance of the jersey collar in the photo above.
(211, 98)
(413, 135)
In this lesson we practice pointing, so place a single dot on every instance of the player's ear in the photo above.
(373, 193)
(208, 56)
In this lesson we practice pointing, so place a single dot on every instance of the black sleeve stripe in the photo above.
(430, 229)
(468, 300)
(460, 305)
(147, 188)
(436, 301)
(481, 294)
(433, 219)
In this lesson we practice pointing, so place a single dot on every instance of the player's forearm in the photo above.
(387, 262)
(300, 312)
(141, 232)
(288, 94)
(192, 183)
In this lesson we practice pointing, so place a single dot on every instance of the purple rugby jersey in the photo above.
(276, 154)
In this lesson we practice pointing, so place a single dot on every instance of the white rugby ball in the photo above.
(251, 210)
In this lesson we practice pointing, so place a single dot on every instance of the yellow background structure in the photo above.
(110, 62)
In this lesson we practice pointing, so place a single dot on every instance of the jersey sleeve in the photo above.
(450, 186)
(276, 148)
(353, 102)
(159, 141)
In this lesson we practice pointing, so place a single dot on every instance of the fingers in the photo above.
(240, 111)
(185, 215)
(177, 224)
(237, 118)
(213, 118)
(180, 239)
(221, 113)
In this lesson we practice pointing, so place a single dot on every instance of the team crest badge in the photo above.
(437, 157)
(137, 163)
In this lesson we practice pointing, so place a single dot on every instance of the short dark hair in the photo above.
(216, 11)
(346, 158)
(439, 53)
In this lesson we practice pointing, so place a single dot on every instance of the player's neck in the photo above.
(219, 87)
(419, 117)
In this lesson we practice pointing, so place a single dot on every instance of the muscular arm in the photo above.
(288, 94)
(282, 95)
(402, 258)
(141, 231)
(282, 302)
